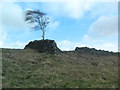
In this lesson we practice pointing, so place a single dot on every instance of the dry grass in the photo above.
(30, 69)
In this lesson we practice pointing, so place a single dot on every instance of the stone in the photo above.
(93, 51)
(41, 46)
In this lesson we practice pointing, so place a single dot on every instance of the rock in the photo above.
(48, 46)
(93, 51)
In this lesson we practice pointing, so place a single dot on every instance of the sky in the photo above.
(73, 23)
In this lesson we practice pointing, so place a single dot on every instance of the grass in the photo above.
(30, 69)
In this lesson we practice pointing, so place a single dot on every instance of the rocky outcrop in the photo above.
(48, 46)
(93, 51)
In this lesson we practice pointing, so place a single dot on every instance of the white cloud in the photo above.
(107, 46)
(16, 44)
(72, 9)
(11, 19)
(103, 27)
(68, 45)
(103, 34)
(13, 16)
(76, 9)
(1, 43)
(53, 25)
(2, 34)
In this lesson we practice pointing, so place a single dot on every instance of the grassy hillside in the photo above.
(30, 69)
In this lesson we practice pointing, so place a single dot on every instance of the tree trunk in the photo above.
(43, 34)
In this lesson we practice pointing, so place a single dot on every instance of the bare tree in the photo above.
(38, 19)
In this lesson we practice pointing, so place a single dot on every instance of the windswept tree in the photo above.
(39, 20)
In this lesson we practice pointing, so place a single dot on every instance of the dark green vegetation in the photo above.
(30, 69)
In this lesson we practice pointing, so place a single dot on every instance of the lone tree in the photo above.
(38, 19)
